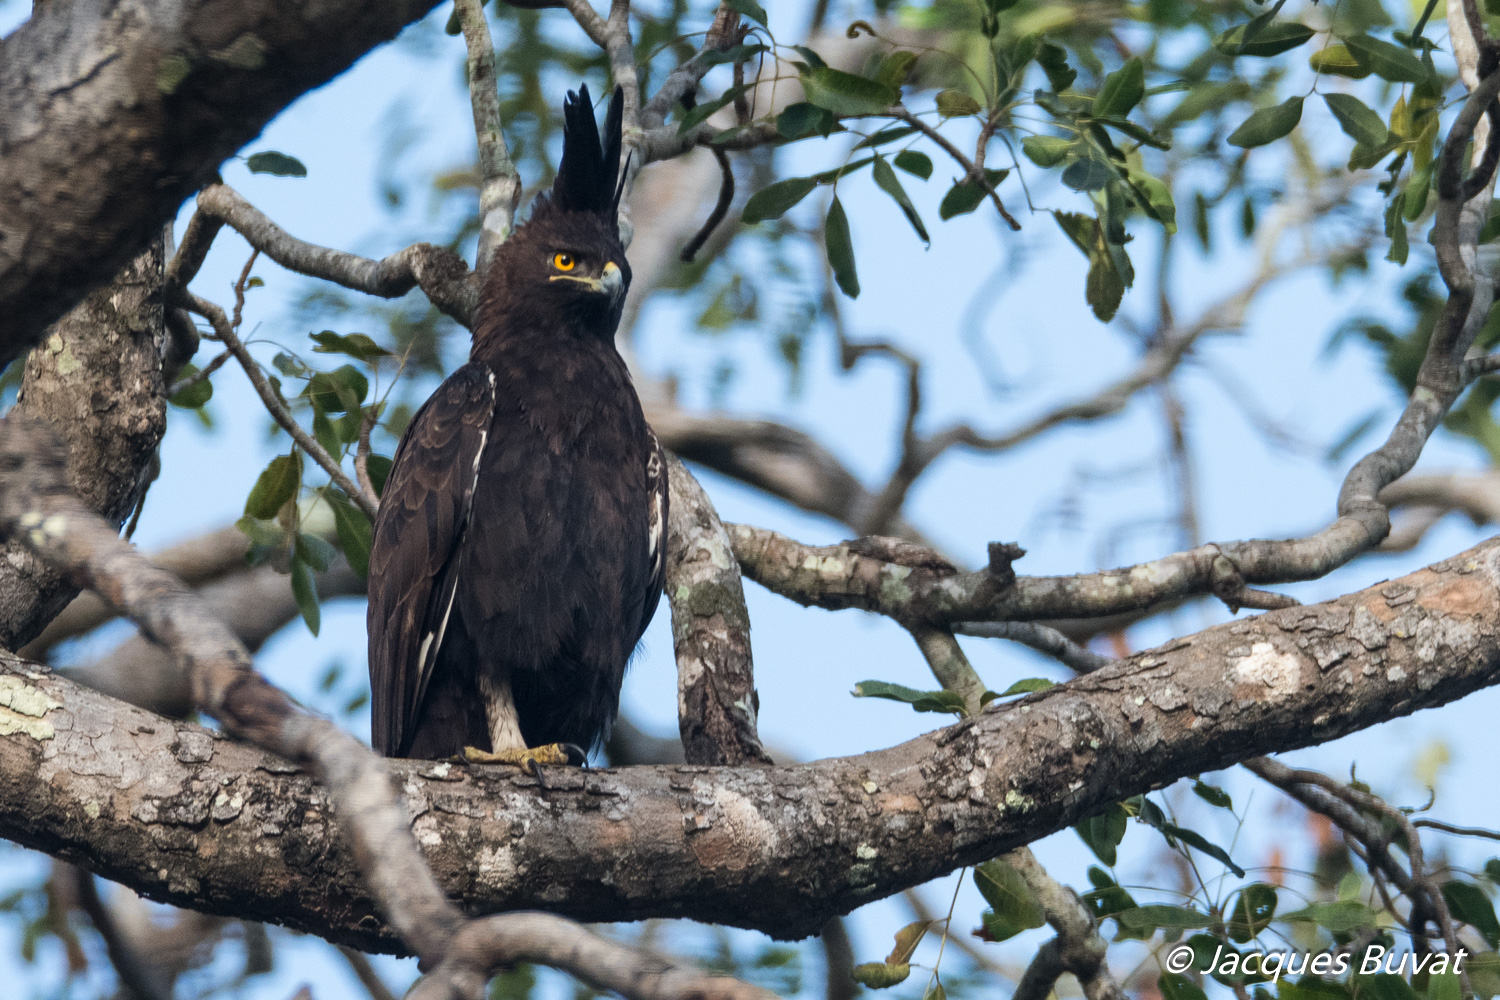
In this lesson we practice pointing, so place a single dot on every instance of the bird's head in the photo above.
(566, 262)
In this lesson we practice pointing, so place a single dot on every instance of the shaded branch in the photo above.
(717, 703)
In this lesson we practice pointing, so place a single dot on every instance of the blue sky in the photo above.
(1044, 337)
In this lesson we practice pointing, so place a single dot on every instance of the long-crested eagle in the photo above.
(519, 549)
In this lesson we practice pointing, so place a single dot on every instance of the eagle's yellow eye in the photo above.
(564, 261)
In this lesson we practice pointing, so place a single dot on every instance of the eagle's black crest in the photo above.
(588, 180)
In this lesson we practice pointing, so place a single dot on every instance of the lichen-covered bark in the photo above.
(96, 379)
(112, 114)
(168, 809)
(717, 703)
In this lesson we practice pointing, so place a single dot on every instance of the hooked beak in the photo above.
(611, 281)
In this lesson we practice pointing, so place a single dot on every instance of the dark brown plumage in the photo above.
(518, 552)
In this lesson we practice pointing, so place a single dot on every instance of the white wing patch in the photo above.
(656, 529)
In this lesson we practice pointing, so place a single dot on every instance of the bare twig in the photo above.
(201, 375)
(499, 182)
(720, 210)
(368, 503)
(441, 273)
(1041, 638)
(1078, 947)
(138, 979)
(366, 974)
(362, 454)
(973, 174)
(1458, 831)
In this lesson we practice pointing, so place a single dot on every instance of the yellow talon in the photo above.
(550, 754)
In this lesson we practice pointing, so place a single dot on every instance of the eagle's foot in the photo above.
(551, 754)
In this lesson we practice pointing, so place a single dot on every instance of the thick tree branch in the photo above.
(716, 699)
(234, 830)
(111, 115)
(97, 378)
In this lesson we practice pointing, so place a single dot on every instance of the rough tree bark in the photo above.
(97, 380)
(112, 114)
(179, 815)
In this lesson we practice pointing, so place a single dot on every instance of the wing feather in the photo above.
(417, 541)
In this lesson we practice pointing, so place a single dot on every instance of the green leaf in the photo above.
(379, 468)
(1268, 124)
(1122, 90)
(880, 975)
(1395, 228)
(1250, 912)
(355, 345)
(1416, 191)
(1337, 60)
(305, 590)
(1385, 986)
(956, 104)
(1046, 150)
(1386, 60)
(326, 434)
(1340, 918)
(1150, 917)
(267, 538)
(1175, 986)
(1054, 62)
(907, 939)
(278, 164)
(1137, 132)
(773, 201)
(750, 9)
(1468, 903)
(355, 533)
(700, 113)
(1026, 685)
(1014, 907)
(1106, 898)
(339, 391)
(847, 94)
(1198, 842)
(733, 54)
(1154, 198)
(884, 136)
(965, 196)
(840, 249)
(1103, 833)
(922, 701)
(1445, 986)
(1087, 174)
(1213, 795)
(937, 992)
(275, 487)
(1272, 40)
(800, 120)
(1359, 123)
(314, 551)
(814, 61)
(915, 163)
(895, 68)
(887, 181)
(194, 396)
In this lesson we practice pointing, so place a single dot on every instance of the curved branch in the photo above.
(779, 849)
(439, 272)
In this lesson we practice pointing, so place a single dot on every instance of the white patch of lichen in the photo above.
(1275, 671)
(23, 709)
